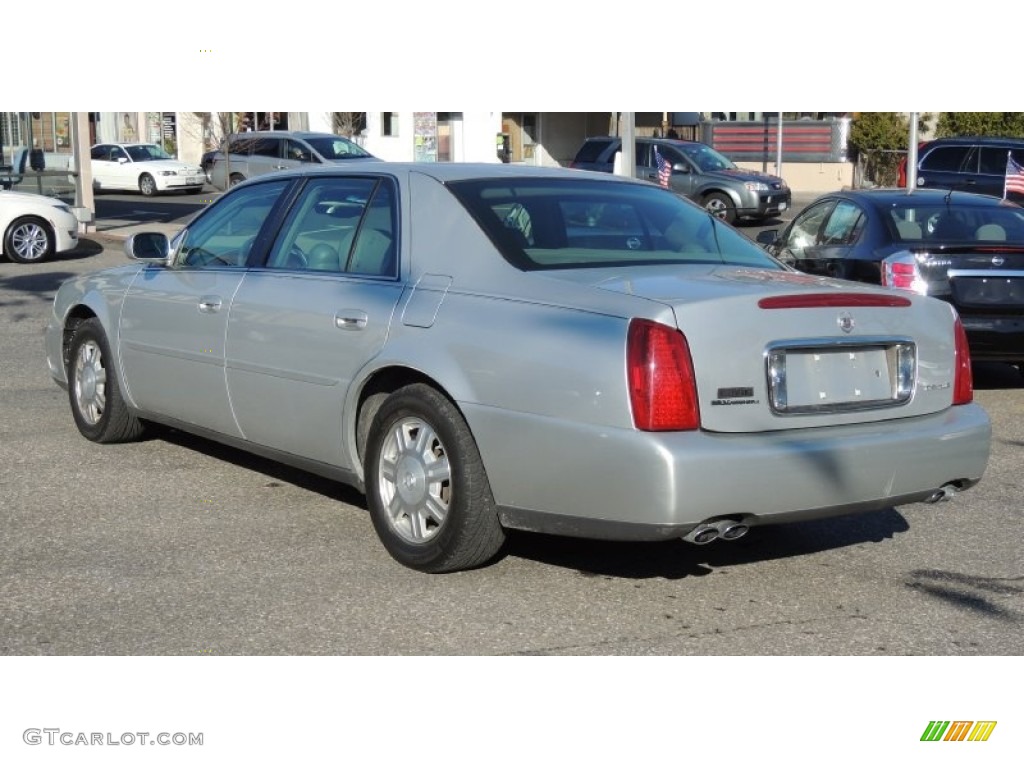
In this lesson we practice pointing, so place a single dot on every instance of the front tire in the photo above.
(236, 178)
(28, 240)
(721, 206)
(99, 410)
(147, 185)
(426, 487)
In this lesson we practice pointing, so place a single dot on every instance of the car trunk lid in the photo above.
(777, 350)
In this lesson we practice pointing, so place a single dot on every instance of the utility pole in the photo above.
(912, 154)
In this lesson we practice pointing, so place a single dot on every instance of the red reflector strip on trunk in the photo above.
(814, 300)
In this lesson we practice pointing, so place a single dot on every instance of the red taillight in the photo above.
(901, 271)
(662, 388)
(963, 381)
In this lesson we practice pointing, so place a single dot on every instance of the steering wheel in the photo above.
(296, 259)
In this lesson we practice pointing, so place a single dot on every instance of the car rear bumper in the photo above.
(598, 482)
(995, 338)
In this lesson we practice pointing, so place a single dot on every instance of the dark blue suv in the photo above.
(968, 163)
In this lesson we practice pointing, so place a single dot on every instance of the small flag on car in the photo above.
(664, 168)
(1014, 177)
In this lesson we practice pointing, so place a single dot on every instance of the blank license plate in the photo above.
(845, 377)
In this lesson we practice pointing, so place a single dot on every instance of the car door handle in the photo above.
(350, 319)
(209, 304)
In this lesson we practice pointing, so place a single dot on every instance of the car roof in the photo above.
(659, 139)
(290, 135)
(991, 140)
(886, 196)
(446, 172)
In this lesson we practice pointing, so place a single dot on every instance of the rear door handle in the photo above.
(210, 304)
(350, 319)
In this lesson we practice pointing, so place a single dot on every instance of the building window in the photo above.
(389, 124)
(10, 129)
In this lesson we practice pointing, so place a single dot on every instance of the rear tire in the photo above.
(28, 240)
(426, 487)
(236, 178)
(99, 410)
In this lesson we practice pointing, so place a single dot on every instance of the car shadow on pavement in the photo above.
(628, 560)
(678, 559)
(273, 469)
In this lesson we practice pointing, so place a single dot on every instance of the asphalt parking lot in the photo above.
(179, 546)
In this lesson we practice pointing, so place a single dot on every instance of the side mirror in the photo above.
(680, 168)
(767, 237)
(148, 246)
(122, 160)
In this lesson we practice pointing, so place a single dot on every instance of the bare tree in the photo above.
(348, 123)
(216, 126)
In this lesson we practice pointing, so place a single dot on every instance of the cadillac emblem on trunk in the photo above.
(845, 321)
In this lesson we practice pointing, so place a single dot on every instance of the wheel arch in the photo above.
(78, 314)
(711, 189)
(372, 393)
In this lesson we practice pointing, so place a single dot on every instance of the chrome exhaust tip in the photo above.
(731, 530)
(945, 493)
(702, 534)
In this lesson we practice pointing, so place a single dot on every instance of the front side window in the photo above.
(805, 228)
(140, 153)
(844, 225)
(556, 223)
(993, 160)
(706, 158)
(224, 235)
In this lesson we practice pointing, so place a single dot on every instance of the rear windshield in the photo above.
(958, 223)
(557, 223)
(591, 151)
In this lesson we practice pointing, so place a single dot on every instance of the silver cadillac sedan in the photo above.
(480, 348)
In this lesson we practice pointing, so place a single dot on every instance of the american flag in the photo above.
(665, 168)
(1014, 177)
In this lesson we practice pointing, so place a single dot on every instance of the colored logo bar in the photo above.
(958, 730)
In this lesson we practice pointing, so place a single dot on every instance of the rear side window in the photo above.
(945, 159)
(591, 151)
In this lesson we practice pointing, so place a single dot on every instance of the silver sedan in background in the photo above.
(489, 347)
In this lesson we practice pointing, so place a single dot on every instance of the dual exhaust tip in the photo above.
(730, 530)
(727, 530)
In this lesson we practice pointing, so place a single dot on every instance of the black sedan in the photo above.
(966, 249)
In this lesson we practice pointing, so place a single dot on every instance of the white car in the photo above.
(143, 167)
(35, 227)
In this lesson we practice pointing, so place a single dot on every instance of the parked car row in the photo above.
(484, 347)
